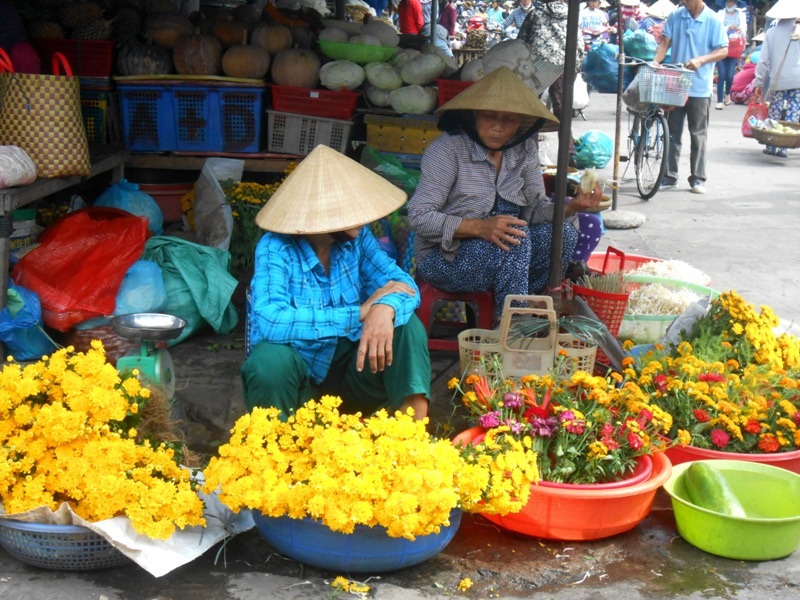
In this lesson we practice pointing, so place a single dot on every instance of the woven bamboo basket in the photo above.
(779, 140)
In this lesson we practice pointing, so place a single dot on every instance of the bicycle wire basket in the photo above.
(59, 547)
(667, 85)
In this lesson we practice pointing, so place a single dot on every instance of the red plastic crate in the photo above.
(313, 102)
(450, 88)
(88, 58)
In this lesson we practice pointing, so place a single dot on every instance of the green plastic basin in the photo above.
(771, 499)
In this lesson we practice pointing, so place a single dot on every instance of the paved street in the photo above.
(742, 233)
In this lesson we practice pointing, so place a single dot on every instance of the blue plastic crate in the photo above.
(147, 118)
(191, 118)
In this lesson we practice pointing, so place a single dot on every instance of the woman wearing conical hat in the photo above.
(331, 313)
(480, 213)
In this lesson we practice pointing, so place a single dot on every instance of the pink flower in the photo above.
(512, 400)
(489, 420)
(720, 438)
(634, 441)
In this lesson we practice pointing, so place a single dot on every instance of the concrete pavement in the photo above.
(742, 233)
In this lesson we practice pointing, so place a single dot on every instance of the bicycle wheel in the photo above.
(651, 154)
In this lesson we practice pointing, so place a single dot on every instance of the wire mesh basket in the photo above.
(58, 547)
(667, 85)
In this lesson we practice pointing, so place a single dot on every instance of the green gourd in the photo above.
(708, 488)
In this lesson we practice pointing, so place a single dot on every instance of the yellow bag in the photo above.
(42, 115)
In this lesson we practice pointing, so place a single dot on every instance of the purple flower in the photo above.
(490, 420)
(566, 415)
(544, 427)
(516, 427)
(512, 400)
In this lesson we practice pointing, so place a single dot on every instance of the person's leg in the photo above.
(697, 120)
(729, 78)
(406, 382)
(722, 73)
(791, 100)
(480, 266)
(590, 229)
(675, 119)
(541, 243)
(276, 375)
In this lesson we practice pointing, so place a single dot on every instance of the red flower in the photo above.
(701, 415)
(661, 382)
(752, 426)
(606, 430)
(634, 441)
(710, 377)
(796, 417)
(769, 443)
(535, 412)
(610, 443)
(645, 416)
(720, 438)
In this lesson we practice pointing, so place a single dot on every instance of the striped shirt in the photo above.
(296, 303)
(458, 182)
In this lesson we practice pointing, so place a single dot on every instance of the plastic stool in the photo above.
(481, 303)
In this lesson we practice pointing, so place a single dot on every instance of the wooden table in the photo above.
(267, 163)
(104, 159)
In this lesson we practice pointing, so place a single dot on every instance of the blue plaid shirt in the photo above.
(296, 303)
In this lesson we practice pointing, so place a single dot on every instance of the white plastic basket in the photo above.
(667, 85)
(519, 355)
(580, 355)
(300, 134)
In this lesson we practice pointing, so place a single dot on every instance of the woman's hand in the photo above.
(393, 287)
(377, 334)
(502, 230)
(584, 201)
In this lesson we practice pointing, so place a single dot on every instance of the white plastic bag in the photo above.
(212, 215)
(16, 167)
(580, 93)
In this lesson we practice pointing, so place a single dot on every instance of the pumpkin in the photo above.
(247, 61)
(216, 13)
(165, 28)
(228, 32)
(273, 38)
(296, 67)
(197, 54)
(135, 57)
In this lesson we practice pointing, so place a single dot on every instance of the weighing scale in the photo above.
(154, 363)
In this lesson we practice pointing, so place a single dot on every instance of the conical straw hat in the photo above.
(328, 192)
(785, 9)
(501, 90)
(660, 10)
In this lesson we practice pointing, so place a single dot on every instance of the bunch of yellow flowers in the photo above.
(68, 433)
(347, 470)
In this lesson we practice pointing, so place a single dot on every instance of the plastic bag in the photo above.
(631, 97)
(640, 44)
(126, 196)
(212, 214)
(580, 93)
(756, 109)
(593, 149)
(80, 263)
(198, 284)
(600, 68)
(16, 167)
(142, 290)
(736, 44)
(21, 325)
(391, 169)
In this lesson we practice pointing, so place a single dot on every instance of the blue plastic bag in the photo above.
(21, 325)
(126, 195)
(593, 149)
(142, 290)
(601, 70)
(640, 44)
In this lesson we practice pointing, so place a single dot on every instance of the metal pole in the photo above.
(434, 19)
(618, 121)
(564, 138)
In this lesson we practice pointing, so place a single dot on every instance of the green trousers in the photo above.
(276, 375)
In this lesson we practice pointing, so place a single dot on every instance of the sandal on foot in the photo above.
(769, 151)
(782, 153)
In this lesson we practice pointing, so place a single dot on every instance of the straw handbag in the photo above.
(42, 115)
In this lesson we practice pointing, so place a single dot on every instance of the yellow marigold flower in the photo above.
(684, 437)
(628, 361)
(341, 583)
(465, 584)
(453, 383)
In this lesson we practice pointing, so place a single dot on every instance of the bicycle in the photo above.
(648, 138)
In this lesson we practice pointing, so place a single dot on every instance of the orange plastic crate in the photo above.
(313, 102)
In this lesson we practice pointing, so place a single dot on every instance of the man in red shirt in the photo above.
(410, 13)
